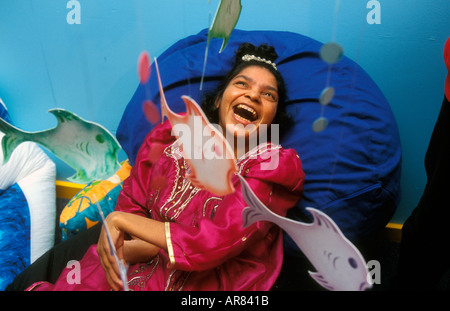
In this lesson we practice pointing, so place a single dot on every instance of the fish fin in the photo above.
(322, 219)
(63, 115)
(256, 210)
(320, 280)
(79, 177)
(13, 138)
(193, 108)
(224, 43)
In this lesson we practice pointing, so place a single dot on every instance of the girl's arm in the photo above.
(136, 250)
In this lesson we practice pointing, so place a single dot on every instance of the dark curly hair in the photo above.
(264, 51)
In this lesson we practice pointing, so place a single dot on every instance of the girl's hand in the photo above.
(151, 233)
(105, 254)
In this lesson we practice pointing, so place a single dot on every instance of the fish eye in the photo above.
(352, 262)
(100, 138)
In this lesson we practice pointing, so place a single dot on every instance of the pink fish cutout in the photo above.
(210, 158)
(340, 266)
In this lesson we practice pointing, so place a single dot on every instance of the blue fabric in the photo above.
(14, 234)
(4, 114)
(352, 168)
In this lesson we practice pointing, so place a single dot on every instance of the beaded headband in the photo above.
(249, 57)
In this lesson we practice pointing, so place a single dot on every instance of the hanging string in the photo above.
(44, 56)
(330, 53)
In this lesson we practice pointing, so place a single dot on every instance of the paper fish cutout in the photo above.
(210, 158)
(85, 146)
(340, 266)
(225, 20)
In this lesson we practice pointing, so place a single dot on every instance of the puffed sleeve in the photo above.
(134, 195)
(216, 240)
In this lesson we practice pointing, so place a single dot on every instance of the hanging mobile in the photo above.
(123, 268)
(330, 53)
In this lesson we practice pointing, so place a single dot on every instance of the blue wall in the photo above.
(90, 68)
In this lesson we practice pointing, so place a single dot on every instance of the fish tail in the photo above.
(256, 210)
(164, 107)
(224, 43)
(13, 137)
(320, 280)
(192, 106)
(251, 215)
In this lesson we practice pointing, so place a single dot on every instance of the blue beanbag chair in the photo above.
(352, 167)
(27, 206)
(14, 234)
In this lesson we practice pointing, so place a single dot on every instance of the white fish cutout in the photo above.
(85, 146)
(340, 266)
(210, 158)
(225, 20)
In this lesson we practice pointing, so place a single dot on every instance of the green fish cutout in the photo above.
(85, 146)
(226, 18)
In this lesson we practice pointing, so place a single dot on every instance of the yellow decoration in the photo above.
(90, 223)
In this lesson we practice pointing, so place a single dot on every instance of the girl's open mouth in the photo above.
(245, 113)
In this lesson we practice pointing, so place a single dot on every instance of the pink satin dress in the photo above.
(208, 249)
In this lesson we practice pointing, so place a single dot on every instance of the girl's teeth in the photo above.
(245, 113)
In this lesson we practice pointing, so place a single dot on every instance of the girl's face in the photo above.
(251, 98)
